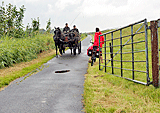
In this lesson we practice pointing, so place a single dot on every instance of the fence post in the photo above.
(155, 52)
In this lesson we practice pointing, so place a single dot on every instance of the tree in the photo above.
(35, 24)
(28, 30)
(48, 27)
(11, 20)
(18, 21)
(2, 19)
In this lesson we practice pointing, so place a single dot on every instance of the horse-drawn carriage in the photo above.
(67, 39)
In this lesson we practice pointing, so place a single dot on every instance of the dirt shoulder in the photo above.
(20, 68)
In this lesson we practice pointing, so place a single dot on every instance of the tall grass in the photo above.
(14, 50)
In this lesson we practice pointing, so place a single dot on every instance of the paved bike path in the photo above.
(47, 91)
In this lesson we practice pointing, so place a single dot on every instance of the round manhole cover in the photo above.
(62, 71)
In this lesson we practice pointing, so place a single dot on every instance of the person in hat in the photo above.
(96, 42)
(75, 29)
(96, 38)
(66, 28)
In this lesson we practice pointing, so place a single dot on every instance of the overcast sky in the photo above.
(105, 14)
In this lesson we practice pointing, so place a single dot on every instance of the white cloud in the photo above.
(111, 8)
(14, 1)
(62, 4)
(32, 1)
(99, 7)
(27, 1)
(50, 9)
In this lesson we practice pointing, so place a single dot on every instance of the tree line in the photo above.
(11, 22)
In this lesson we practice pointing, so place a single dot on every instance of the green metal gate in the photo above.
(125, 53)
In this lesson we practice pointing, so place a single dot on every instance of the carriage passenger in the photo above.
(66, 28)
(75, 29)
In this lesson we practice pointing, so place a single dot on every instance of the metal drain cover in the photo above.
(62, 71)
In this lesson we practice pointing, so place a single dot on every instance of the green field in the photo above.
(106, 93)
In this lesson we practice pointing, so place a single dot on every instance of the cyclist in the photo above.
(96, 42)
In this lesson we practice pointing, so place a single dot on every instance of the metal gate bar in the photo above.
(128, 43)
(105, 52)
(132, 52)
(125, 27)
(146, 46)
(125, 61)
(126, 35)
(121, 52)
(136, 81)
(126, 52)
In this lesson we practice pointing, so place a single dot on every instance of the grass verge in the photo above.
(109, 94)
(7, 75)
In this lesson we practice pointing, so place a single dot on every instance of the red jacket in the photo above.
(96, 39)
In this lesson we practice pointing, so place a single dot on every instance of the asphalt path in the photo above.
(47, 91)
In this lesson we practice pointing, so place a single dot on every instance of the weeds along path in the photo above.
(47, 91)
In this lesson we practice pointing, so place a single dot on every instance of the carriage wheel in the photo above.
(74, 50)
(79, 49)
(80, 46)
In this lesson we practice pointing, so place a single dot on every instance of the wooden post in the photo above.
(155, 53)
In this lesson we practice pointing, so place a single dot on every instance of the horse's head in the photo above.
(57, 32)
(57, 35)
